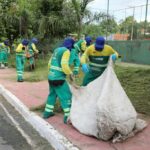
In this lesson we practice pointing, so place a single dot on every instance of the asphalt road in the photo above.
(16, 133)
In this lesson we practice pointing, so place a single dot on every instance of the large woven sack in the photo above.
(102, 109)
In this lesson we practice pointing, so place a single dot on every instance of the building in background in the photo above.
(118, 37)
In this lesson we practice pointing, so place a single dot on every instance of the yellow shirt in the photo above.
(21, 48)
(90, 51)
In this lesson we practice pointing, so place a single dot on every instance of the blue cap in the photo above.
(100, 42)
(68, 43)
(25, 42)
(6, 42)
(88, 40)
(34, 40)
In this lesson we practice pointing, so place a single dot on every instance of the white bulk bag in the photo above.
(102, 108)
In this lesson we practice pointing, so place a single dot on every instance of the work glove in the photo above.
(114, 57)
(85, 68)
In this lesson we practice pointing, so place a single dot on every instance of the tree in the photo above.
(80, 9)
(129, 25)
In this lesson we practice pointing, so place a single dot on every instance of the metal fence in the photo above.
(133, 51)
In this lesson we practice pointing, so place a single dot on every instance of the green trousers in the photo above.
(63, 93)
(91, 76)
(31, 60)
(0, 57)
(20, 62)
(4, 57)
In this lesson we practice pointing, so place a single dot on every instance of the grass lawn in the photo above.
(135, 80)
(136, 83)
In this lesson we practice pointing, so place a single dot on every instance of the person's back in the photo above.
(55, 70)
(58, 86)
(80, 45)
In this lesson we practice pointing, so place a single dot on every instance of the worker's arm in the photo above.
(49, 63)
(65, 63)
(83, 46)
(114, 54)
(19, 48)
(85, 56)
(34, 48)
(76, 65)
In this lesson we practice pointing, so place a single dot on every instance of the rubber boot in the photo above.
(48, 114)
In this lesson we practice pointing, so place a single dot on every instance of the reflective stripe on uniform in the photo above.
(76, 46)
(48, 110)
(67, 114)
(56, 68)
(66, 110)
(98, 65)
(49, 106)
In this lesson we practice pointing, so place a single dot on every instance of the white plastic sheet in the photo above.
(102, 109)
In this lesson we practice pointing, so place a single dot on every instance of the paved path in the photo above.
(34, 94)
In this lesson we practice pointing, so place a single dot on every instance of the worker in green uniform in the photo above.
(59, 67)
(98, 55)
(80, 45)
(20, 59)
(31, 52)
(4, 52)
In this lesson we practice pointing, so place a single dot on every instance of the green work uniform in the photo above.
(20, 61)
(4, 52)
(30, 54)
(98, 61)
(80, 45)
(58, 86)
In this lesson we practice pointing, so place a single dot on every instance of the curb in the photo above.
(46, 130)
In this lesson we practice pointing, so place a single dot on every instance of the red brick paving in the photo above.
(35, 94)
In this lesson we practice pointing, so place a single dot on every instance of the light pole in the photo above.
(107, 18)
(132, 24)
(145, 25)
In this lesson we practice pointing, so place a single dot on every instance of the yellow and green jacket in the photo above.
(32, 47)
(80, 45)
(59, 64)
(4, 48)
(21, 50)
(97, 60)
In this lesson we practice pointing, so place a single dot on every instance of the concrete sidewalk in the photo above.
(34, 94)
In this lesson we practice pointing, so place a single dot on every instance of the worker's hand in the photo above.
(114, 57)
(71, 77)
(85, 68)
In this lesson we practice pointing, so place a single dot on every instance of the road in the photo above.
(16, 133)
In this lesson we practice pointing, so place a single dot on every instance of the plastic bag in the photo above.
(102, 109)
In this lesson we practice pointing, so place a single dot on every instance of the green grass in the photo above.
(40, 73)
(41, 70)
(136, 83)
